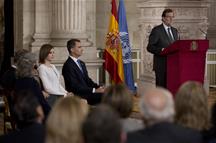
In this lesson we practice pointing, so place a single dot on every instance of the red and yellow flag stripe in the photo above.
(113, 51)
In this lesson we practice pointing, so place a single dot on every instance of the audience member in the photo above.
(191, 106)
(49, 74)
(76, 76)
(210, 135)
(157, 108)
(102, 125)
(8, 81)
(36, 76)
(25, 70)
(121, 99)
(29, 115)
(65, 121)
(9, 77)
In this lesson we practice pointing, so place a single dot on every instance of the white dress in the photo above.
(51, 80)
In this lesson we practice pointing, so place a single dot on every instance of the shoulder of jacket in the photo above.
(158, 27)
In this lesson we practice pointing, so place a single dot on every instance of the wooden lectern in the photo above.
(185, 61)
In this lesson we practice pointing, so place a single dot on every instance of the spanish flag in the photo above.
(113, 51)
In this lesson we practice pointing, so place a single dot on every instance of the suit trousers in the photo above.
(161, 79)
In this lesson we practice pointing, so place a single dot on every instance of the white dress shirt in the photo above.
(166, 28)
(51, 80)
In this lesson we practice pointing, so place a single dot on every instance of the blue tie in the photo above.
(80, 67)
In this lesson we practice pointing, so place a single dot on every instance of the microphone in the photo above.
(179, 36)
(203, 32)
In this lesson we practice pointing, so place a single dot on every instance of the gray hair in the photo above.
(26, 64)
(151, 114)
(19, 54)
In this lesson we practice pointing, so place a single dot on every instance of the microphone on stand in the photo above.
(179, 37)
(203, 32)
(178, 34)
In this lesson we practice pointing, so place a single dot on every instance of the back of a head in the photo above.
(157, 105)
(25, 64)
(26, 108)
(65, 120)
(102, 125)
(119, 98)
(191, 106)
(19, 54)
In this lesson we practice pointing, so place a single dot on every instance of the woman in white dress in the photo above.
(49, 75)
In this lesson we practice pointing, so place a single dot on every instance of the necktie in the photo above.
(170, 35)
(80, 67)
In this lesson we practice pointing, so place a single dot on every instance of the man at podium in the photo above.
(161, 37)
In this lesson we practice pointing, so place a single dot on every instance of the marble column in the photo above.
(211, 33)
(42, 23)
(69, 19)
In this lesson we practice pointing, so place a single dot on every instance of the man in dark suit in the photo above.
(76, 75)
(161, 37)
(157, 108)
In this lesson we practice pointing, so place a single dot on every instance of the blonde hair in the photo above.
(191, 106)
(65, 120)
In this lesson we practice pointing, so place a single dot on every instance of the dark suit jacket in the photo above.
(34, 133)
(77, 82)
(31, 84)
(159, 39)
(165, 133)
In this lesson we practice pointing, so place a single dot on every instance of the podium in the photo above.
(185, 61)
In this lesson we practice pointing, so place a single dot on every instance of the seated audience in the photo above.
(26, 80)
(9, 77)
(29, 115)
(157, 108)
(49, 74)
(76, 75)
(102, 125)
(38, 79)
(210, 134)
(65, 121)
(8, 80)
(191, 106)
(121, 100)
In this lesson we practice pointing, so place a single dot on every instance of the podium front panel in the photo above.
(186, 64)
